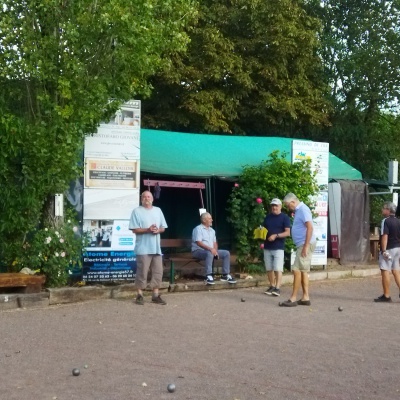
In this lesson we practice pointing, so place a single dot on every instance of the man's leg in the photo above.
(396, 275)
(271, 278)
(385, 282)
(305, 266)
(296, 285)
(225, 256)
(395, 253)
(304, 285)
(156, 267)
(142, 270)
(156, 278)
(278, 279)
(207, 256)
(296, 275)
(268, 264)
(279, 259)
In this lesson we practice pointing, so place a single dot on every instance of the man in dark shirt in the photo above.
(389, 257)
(278, 226)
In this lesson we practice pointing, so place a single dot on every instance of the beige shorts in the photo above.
(303, 263)
(146, 263)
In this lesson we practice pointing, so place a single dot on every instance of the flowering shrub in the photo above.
(255, 188)
(54, 251)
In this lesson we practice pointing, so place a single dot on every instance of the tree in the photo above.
(254, 190)
(250, 65)
(61, 63)
(361, 55)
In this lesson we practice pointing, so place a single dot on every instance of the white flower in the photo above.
(61, 240)
(45, 229)
(56, 254)
(75, 229)
(57, 234)
(69, 221)
(48, 239)
(63, 254)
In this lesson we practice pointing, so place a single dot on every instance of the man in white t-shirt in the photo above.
(147, 222)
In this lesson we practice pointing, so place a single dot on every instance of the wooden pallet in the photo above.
(22, 282)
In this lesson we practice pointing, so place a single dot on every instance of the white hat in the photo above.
(276, 201)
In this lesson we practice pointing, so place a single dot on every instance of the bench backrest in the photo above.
(176, 243)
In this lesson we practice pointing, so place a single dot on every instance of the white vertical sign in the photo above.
(111, 192)
(318, 154)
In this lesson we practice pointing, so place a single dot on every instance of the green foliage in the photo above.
(272, 178)
(360, 49)
(375, 208)
(256, 269)
(54, 250)
(250, 65)
(60, 64)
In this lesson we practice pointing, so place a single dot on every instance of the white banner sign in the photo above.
(318, 154)
(111, 192)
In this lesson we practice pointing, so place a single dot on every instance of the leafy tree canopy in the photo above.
(250, 64)
(60, 64)
(360, 49)
(361, 52)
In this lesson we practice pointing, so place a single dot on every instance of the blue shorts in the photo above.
(273, 260)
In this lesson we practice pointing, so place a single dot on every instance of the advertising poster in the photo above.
(110, 193)
(318, 154)
(111, 174)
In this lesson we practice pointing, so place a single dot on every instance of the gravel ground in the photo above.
(211, 345)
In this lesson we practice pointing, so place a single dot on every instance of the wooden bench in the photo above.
(23, 282)
(179, 251)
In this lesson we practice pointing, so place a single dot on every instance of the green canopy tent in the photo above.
(222, 156)
(214, 160)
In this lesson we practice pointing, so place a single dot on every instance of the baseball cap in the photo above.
(276, 201)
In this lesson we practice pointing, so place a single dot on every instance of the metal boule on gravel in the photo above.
(242, 299)
(340, 308)
(76, 372)
(171, 388)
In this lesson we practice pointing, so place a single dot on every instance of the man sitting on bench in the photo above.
(205, 247)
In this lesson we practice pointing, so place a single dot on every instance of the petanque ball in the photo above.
(76, 372)
(171, 388)
(242, 300)
(340, 308)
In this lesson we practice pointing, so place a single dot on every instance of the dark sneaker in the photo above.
(269, 291)
(276, 292)
(383, 299)
(139, 300)
(228, 278)
(209, 280)
(288, 303)
(158, 300)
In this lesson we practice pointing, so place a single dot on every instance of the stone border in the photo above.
(127, 291)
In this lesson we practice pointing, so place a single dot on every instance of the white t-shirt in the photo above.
(141, 217)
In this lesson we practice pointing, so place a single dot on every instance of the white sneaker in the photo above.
(210, 280)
